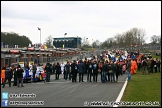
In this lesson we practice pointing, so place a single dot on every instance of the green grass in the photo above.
(154, 56)
(143, 88)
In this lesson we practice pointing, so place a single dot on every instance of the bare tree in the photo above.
(49, 41)
(154, 39)
(133, 37)
(96, 44)
(159, 39)
(141, 36)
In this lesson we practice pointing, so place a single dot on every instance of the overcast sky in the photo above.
(90, 19)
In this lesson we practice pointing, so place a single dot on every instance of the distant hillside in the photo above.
(12, 39)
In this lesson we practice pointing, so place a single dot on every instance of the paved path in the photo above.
(62, 93)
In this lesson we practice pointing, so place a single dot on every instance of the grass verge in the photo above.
(144, 88)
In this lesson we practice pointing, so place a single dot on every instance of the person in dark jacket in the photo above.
(53, 68)
(74, 71)
(19, 73)
(86, 66)
(15, 76)
(117, 71)
(108, 74)
(48, 71)
(103, 73)
(58, 70)
(67, 71)
(111, 71)
(95, 71)
(8, 76)
(144, 67)
(158, 65)
(81, 69)
(89, 74)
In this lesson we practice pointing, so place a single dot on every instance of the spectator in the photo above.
(89, 74)
(62, 67)
(19, 73)
(103, 73)
(81, 69)
(34, 68)
(158, 65)
(26, 73)
(95, 71)
(144, 67)
(15, 76)
(111, 71)
(58, 70)
(128, 69)
(48, 72)
(3, 73)
(74, 70)
(67, 70)
(8, 76)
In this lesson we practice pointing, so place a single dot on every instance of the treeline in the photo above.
(12, 39)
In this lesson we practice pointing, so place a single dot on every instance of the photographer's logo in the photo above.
(4, 102)
(4, 95)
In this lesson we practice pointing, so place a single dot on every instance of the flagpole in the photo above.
(40, 35)
(40, 45)
(64, 39)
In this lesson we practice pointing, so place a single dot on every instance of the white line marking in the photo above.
(121, 93)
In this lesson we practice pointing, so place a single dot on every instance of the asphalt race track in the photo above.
(62, 93)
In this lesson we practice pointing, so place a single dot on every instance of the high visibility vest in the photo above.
(3, 74)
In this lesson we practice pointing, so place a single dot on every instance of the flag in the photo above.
(39, 28)
(45, 47)
(65, 34)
